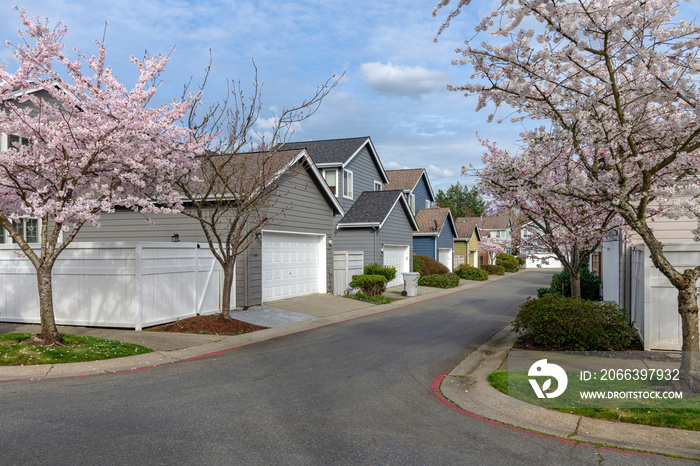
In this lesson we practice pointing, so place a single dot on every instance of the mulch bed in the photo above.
(635, 351)
(208, 325)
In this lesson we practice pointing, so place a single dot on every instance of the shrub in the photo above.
(493, 269)
(590, 284)
(370, 285)
(378, 299)
(468, 272)
(573, 324)
(428, 266)
(508, 262)
(385, 271)
(547, 291)
(448, 280)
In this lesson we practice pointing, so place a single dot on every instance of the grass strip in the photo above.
(78, 348)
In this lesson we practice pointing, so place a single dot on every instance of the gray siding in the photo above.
(395, 231)
(365, 173)
(303, 208)
(447, 236)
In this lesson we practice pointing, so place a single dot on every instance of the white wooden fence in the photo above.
(132, 285)
(654, 306)
(345, 265)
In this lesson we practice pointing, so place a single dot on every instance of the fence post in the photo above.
(138, 279)
(196, 275)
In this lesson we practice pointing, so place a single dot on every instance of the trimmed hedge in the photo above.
(493, 269)
(376, 269)
(573, 324)
(467, 272)
(370, 285)
(425, 265)
(508, 262)
(448, 280)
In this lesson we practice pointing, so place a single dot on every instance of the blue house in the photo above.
(415, 185)
(436, 235)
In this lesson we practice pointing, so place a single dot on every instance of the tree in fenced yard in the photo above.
(494, 246)
(572, 229)
(237, 191)
(80, 146)
(618, 84)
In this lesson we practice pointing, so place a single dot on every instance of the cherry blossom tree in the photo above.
(91, 144)
(494, 246)
(618, 83)
(570, 228)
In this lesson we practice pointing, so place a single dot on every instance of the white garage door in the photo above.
(445, 258)
(397, 257)
(293, 264)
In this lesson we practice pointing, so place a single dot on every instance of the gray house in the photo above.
(353, 171)
(291, 256)
(379, 224)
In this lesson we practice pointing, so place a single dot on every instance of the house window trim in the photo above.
(412, 203)
(378, 184)
(323, 173)
(8, 239)
(348, 175)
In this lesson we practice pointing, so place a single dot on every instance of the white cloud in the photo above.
(394, 166)
(437, 172)
(402, 81)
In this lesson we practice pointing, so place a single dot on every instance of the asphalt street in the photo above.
(357, 392)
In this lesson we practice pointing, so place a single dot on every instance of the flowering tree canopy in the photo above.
(618, 81)
(494, 246)
(81, 143)
(568, 227)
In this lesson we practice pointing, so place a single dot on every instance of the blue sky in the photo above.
(394, 89)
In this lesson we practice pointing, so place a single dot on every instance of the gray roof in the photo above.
(373, 207)
(331, 150)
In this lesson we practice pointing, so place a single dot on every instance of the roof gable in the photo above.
(372, 208)
(466, 227)
(408, 179)
(432, 221)
(338, 152)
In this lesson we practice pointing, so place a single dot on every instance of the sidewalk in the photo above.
(466, 386)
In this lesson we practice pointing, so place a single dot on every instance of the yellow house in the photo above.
(466, 244)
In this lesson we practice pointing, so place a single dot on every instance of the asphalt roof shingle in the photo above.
(465, 226)
(403, 179)
(371, 207)
(426, 218)
(330, 150)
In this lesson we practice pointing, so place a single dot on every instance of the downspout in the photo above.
(376, 243)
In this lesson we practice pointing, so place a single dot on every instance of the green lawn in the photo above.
(78, 348)
(652, 413)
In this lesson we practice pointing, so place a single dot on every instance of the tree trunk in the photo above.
(575, 276)
(228, 286)
(49, 333)
(690, 362)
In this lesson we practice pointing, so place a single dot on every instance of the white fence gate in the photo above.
(654, 306)
(345, 265)
(132, 285)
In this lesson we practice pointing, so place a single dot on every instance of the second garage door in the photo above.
(397, 257)
(293, 264)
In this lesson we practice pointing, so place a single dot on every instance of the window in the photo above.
(377, 186)
(3, 238)
(347, 184)
(14, 140)
(412, 203)
(331, 177)
(28, 228)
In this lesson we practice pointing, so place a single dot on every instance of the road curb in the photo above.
(467, 387)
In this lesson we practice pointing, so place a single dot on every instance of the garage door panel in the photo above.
(290, 265)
